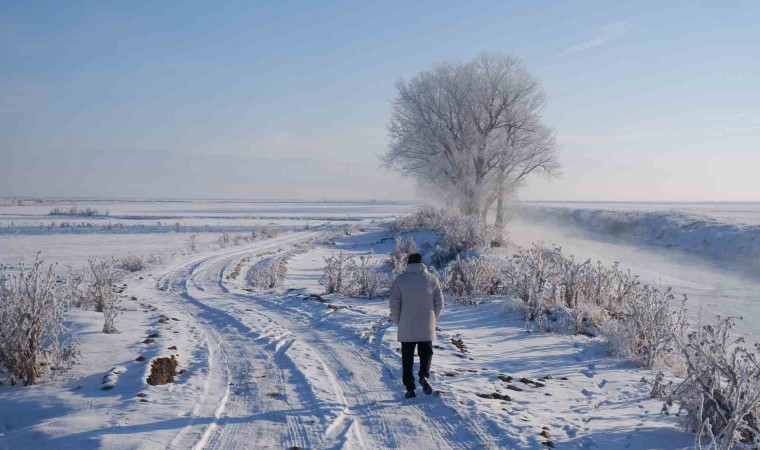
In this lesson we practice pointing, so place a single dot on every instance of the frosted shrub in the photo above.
(371, 279)
(344, 276)
(131, 263)
(569, 276)
(647, 333)
(721, 392)
(624, 285)
(596, 284)
(263, 232)
(74, 211)
(224, 239)
(427, 218)
(459, 233)
(533, 283)
(589, 295)
(473, 277)
(192, 243)
(588, 318)
(103, 292)
(338, 274)
(32, 331)
(268, 273)
(401, 251)
(73, 290)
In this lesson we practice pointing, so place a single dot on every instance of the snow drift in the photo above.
(730, 242)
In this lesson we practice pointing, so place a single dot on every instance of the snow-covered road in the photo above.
(274, 377)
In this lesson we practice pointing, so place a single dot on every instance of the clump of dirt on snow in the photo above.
(459, 344)
(162, 371)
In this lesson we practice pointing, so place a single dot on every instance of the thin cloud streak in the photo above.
(602, 35)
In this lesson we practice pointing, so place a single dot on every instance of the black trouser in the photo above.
(425, 352)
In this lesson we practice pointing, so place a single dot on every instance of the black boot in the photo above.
(426, 387)
(410, 394)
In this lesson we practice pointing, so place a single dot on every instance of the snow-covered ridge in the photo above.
(731, 242)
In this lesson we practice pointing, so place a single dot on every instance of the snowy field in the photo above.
(288, 368)
(709, 251)
(160, 228)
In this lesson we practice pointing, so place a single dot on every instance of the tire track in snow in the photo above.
(184, 279)
(376, 408)
(317, 373)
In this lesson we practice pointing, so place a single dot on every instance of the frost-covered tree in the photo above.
(471, 132)
(32, 330)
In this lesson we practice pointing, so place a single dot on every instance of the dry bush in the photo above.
(337, 274)
(74, 289)
(648, 331)
(639, 321)
(263, 232)
(459, 233)
(371, 280)
(268, 273)
(192, 243)
(102, 292)
(401, 251)
(32, 330)
(471, 278)
(344, 276)
(224, 239)
(533, 283)
(74, 211)
(720, 393)
(131, 263)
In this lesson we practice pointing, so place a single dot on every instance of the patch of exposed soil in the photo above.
(162, 371)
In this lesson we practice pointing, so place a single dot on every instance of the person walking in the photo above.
(416, 302)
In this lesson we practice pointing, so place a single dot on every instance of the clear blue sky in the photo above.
(651, 100)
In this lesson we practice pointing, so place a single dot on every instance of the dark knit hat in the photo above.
(414, 258)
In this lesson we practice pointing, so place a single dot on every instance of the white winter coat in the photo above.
(416, 302)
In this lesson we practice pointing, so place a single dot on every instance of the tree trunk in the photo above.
(484, 212)
(501, 206)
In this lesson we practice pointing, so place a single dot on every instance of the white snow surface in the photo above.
(727, 232)
(283, 369)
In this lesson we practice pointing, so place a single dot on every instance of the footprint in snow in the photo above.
(590, 372)
(602, 384)
(570, 431)
(587, 393)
